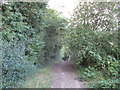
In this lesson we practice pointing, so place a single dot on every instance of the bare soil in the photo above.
(65, 77)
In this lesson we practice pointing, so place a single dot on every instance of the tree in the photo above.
(96, 15)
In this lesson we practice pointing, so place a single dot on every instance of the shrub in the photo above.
(109, 83)
(98, 50)
(15, 67)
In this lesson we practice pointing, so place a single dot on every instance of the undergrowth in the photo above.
(97, 79)
(42, 79)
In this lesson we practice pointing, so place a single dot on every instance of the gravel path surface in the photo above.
(65, 77)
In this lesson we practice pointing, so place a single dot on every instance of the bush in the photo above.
(110, 83)
(30, 37)
(98, 50)
(15, 67)
(14, 71)
(89, 74)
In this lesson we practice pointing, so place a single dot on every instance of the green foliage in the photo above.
(65, 51)
(29, 33)
(94, 49)
(88, 74)
(96, 15)
(15, 67)
(53, 26)
(32, 33)
(96, 79)
(35, 51)
(94, 45)
(110, 83)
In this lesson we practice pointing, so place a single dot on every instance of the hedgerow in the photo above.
(94, 44)
(26, 44)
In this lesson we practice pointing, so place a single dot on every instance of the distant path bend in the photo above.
(65, 77)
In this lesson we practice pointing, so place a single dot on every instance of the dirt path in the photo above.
(65, 77)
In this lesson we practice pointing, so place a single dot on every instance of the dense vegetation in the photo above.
(34, 35)
(93, 41)
(29, 39)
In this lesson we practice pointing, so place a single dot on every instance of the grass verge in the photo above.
(42, 79)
